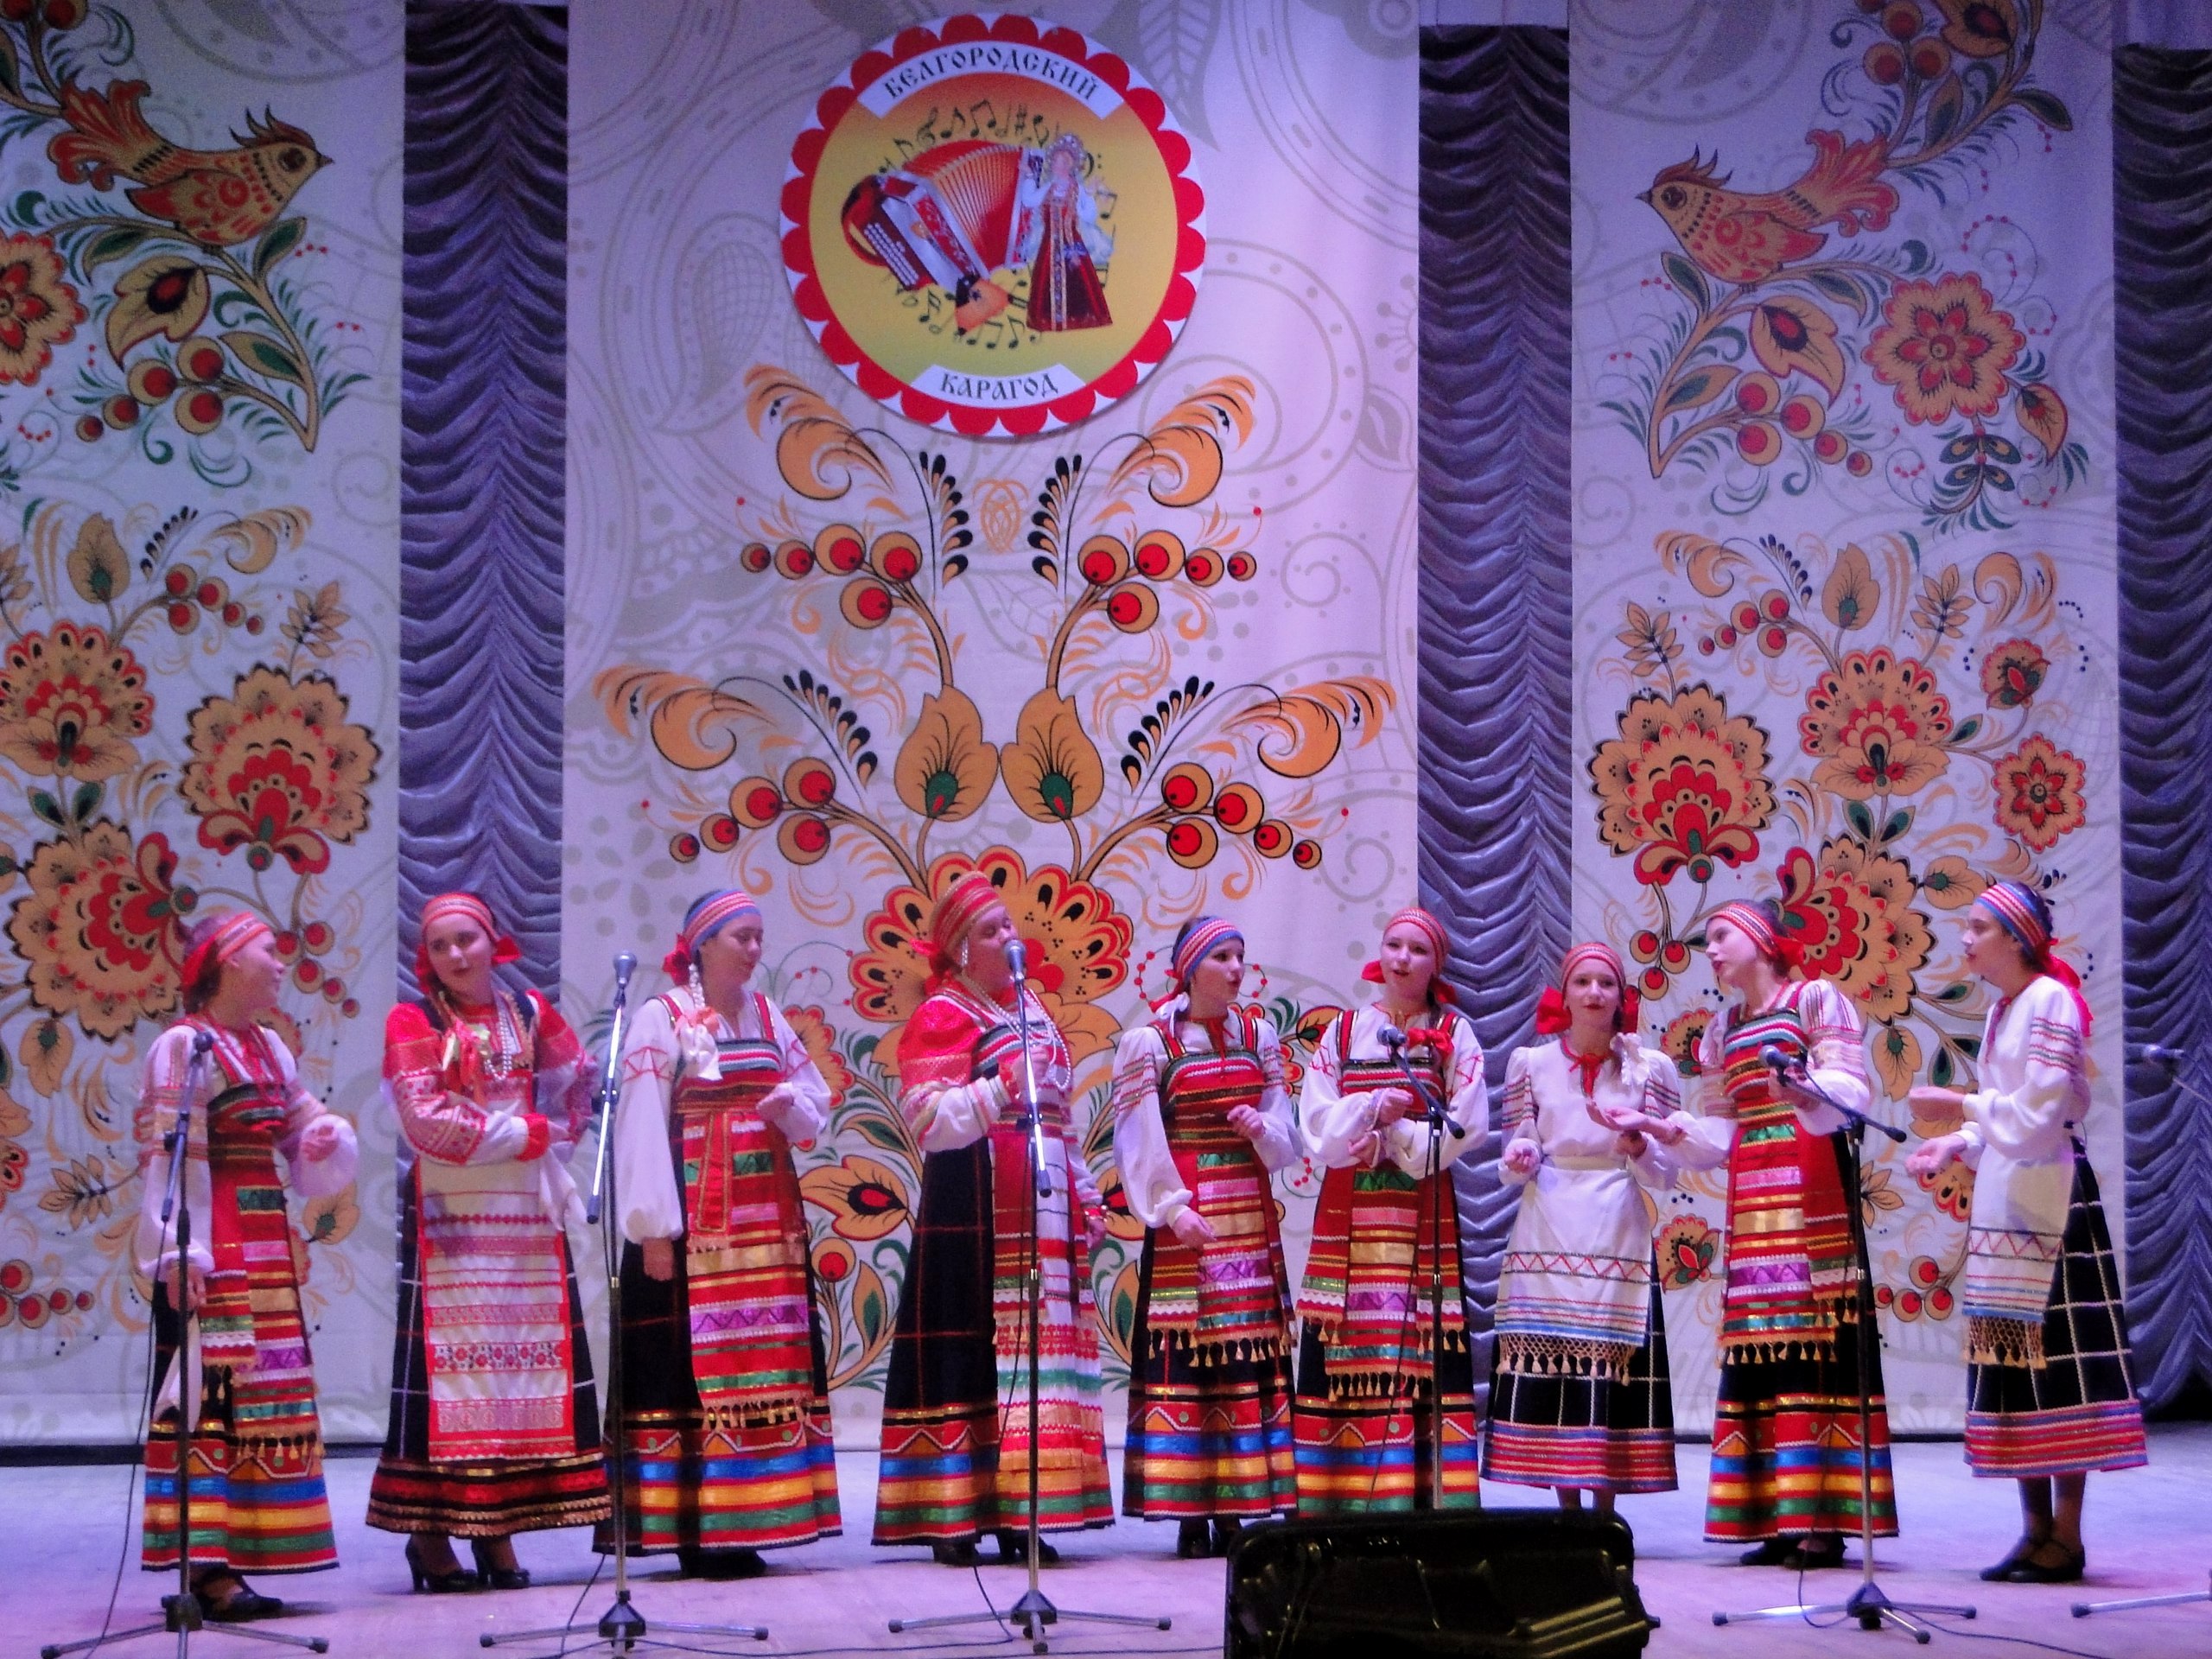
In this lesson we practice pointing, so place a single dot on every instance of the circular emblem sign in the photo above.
(991, 224)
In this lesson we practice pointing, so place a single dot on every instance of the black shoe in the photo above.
(2020, 1553)
(1013, 1549)
(499, 1578)
(951, 1552)
(2067, 1570)
(238, 1605)
(1822, 1549)
(1226, 1528)
(428, 1583)
(1191, 1540)
(1773, 1553)
(718, 1566)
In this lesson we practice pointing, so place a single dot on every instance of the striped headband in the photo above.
(2018, 909)
(1200, 940)
(474, 909)
(1784, 953)
(224, 940)
(1553, 1014)
(2016, 905)
(1440, 948)
(957, 909)
(705, 918)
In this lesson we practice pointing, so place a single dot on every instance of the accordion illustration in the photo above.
(951, 216)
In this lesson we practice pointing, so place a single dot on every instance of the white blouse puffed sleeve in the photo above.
(2045, 1043)
(1517, 1116)
(1150, 1182)
(800, 1104)
(321, 1152)
(1330, 1119)
(1280, 1142)
(1652, 1077)
(644, 1172)
(1836, 1039)
(1708, 1116)
(168, 1078)
(1408, 1141)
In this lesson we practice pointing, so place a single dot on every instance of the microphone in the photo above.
(202, 1041)
(1017, 959)
(2157, 1053)
(1391, 1037)
(1776, 1062)
(625, 965)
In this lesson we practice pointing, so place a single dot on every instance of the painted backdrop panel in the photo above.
(1139, 667)
(198, 595)
(1844, 589)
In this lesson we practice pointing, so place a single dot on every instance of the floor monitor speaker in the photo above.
(1488, 1584)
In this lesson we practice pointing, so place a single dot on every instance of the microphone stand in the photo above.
(621, 1627)
(1035, 1610)
(2171, 1058)
(1440, 1122)
(181, 1613)
(1868, 1605)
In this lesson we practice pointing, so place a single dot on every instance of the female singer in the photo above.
(253, 1454)
(1201, 1121)
(1579, 1387)
(725, 1386)
(1369, 1363)
(956, 1420)
(1786, 1449)
(2050, 1395)
(494, 1425)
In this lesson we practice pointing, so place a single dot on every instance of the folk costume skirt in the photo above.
(1609, 1433)
(483, 1497)
(691, 1483)
(954, 1446)
(2078, 1410)
(1369, 1359)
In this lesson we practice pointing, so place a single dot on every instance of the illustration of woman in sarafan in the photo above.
(1061, 235)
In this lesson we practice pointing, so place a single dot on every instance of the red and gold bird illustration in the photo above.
(217, 197)
(1746, 239)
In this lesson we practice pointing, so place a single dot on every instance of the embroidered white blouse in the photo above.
(1154, 1190)
(654, 1057)
(1334, 1121)
(2017, 1130)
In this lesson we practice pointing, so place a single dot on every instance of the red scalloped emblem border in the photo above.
(1017, 421)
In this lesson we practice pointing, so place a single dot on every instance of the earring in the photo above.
(964, 948)
(698, 991)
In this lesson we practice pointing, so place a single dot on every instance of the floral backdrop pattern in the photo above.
(1129, 670)
(198, 543)
(1844, 560)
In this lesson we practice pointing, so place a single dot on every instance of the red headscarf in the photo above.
(229, 935)
(1785, 953)
(457, 904)
(703, 917)
(1439, 948)
(955, 913)
(1552, 1015)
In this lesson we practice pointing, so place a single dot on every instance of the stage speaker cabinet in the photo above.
(1487, 1584)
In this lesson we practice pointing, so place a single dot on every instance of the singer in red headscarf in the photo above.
(2050, 1393)
(240, 1398)
(1579, 1397)
(1786, 1445)
(1201, 1123)
(956, 1422)
(494, 1423)
(1369, 1366)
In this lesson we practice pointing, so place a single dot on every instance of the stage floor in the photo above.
(2150, 1533)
